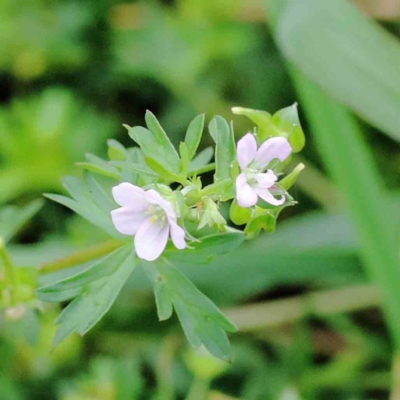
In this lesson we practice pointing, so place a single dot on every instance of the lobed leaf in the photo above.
(202, 322)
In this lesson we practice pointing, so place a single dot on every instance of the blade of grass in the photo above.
(350, 163)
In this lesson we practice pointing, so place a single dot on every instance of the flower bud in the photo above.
(210, 215)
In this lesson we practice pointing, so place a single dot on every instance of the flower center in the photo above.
(157, 215)
(251, 176)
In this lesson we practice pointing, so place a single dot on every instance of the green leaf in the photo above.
(99, 166)
(98, 194)
(13, 219)
(185, 158)
(116, 151)
(287, 122)
(70, 287)
(137, 168)
(239, 215)
(153, 147)
(202, 159)
(222, 190)
(206, 248)
(351, 164)
(346, 54)
(93, 301)
(225, 153)
(202, 322)
(160, 135)
(194, 134)
(87, 203)
(163, 299)
(262, 119)
(162, 172)
(288, 181)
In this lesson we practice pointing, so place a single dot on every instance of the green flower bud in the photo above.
(210, 215)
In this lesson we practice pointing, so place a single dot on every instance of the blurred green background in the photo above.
(307, 299)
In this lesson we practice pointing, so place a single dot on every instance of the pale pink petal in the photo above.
(131, 196)
(245, 194)
(267, 179)
(151, 239)
(154, 197)
(268, 197)
(246, 150)
(276, 147)
(177, 236)
(127, 221)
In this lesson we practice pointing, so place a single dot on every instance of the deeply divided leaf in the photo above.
(201, 320)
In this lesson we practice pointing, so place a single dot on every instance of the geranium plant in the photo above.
(160, 214)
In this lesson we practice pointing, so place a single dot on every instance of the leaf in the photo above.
(116, 151)
(185, 158)
(70, 287)
(225, 153)
(222, 190)
(151, 147)
(139, 169)
(287, 122)
(262, 119)
(162, 172)
(201, 160)
(194, 134)
(349, 56)
(88, 203)
(206, 248)
(99, 166)
(13, 219)
(98, 194)
(161, 137)
(351, 164)
(93, 301)
(202, 322)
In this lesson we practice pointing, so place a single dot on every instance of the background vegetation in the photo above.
(317, 302)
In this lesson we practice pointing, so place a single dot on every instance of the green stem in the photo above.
(276, 313)
(81, 257)
(199, 389)
(165, 385)
(395, 391)
(11, 277)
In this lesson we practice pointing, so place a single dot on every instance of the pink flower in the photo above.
(253, 182)
(148, 217)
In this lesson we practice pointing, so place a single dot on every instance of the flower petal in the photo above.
(151, 239)
(276, 147)
(246, 150)
(131, 196)
(127, 221)
(245, 194)
(267, 179)
(268, 197)
(154, 197)
(177, 236)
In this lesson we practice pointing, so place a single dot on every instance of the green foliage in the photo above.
(304, 38)
(202, 322)
(94, 291)
(225, 149)
(183, 59)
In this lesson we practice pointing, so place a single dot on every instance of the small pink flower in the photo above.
(253, 182)
(148, 217)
